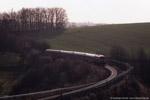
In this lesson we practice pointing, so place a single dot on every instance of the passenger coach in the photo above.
(76, 55)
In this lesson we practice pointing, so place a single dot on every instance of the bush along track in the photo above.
(52, 94)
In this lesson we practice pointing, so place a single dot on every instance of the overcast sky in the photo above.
(97, 11)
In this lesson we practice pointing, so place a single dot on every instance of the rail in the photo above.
(83, 87)
(105, 82)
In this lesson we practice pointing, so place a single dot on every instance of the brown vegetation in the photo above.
(33, 20)
(141, 62)
(45, 73)
(127, 88)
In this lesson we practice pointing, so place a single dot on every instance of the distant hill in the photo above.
(74, 24)
(101, 38)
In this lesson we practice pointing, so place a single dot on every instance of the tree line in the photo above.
(141, 62)
(33, 19)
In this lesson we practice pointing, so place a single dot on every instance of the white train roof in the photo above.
(67, 52)
(52, 50)
(75, 52)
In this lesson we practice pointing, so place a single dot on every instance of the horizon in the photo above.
(96, 11)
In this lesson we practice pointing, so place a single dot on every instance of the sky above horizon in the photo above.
(97, 11)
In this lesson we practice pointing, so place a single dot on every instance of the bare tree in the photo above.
(60, 18)
(118, 53)
(33, 19)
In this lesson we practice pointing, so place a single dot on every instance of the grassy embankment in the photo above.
(101, 38)
(9, 72)
(87, 39)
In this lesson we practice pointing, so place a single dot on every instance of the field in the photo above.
(9, 71)
(99, 39)
(95, 39)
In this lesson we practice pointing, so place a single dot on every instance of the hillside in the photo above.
(128, 88)
(101, 38)
(18, 65)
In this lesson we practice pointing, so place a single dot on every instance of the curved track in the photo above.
(112, 76)
(46, 95)
(76, 89)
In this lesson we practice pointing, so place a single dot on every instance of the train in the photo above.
(96, 58)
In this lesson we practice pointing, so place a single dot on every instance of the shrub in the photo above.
(118, 53)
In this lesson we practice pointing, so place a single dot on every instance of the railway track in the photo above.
(113, 75)
(51, 94)
(55, 93)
